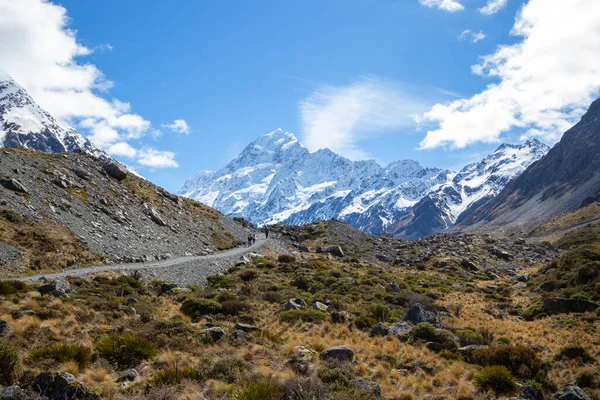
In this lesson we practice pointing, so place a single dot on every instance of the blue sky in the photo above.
(359, 76)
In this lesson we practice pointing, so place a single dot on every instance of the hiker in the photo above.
(249, 239)
(254, 238)
(266, 231)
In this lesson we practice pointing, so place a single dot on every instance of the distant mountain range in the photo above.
(24, 124)
(277, 180)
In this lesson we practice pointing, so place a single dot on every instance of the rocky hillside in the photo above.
(277, 180)
(74, 209)
(24, 124)
(566, 179)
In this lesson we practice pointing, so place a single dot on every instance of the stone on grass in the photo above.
(341, 353)
(418, 313)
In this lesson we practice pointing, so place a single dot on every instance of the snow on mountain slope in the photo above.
(277, 180)
(24, 124)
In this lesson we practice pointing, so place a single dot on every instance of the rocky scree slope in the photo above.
(277, 180)
(99, 206)
(24, 124)
(566, 179)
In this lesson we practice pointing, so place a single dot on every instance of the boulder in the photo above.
(341, 353)
(468, 264)
(339, 317)
(13, 393)
(399, 329)
(418, 313)
(295, 304)
(466, 352)
(14, 185)
(167, 287)
(336, 251)
(115, 170)
(379, 329)
(394, 287)
(319, 250)
(520, 278)
(555, 305)
(129, 375)
(303, 249)
(240, 335)
(435, 347)
(4, 328)
(215, 333)
(62, 386)
(128, 310)
(320, 306)
(155, 216)
(245, 327)
(57, 287)
(530, 393)
(571, 393)
(369, 386)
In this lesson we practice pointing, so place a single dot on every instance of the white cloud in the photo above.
(339, 117)
(178, 126)
(446, 5)
(156, 158)
(493, 6)
(473, 37)
(41, 52)
(540, 85)
(122, 149)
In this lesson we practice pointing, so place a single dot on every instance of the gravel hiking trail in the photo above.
(180, 270)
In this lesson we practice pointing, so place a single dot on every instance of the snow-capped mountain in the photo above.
(277, 180)
(473, 186)
(24, 124)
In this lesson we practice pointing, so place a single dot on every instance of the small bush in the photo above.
(248, 275)
(12, 287)
(504, 340)
(228, 369)
(380, 312)
(221, 281)
(535, 308)
(259, 389)
(284, 258)
(448, 355)
(575, 352)
(497, 378)
(234, 307)
(468, 337)
(10, 364)
(521, 361)
(125, 350)
(424, 331)
(307, 315)
(302, 282)
(364, 322)
(580, 296)
(174, 375)
(63, 352)
(273, 297)
(196, 308)
(11, 216)
(588, 379)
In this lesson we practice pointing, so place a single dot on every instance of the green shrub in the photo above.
(10, 364)
(302, 282)
(589, 379)
(221, 281)
(448, 355)
(575, 352)
(504, 340)
(380, 312)
(580, 296)
(259, 389)
(234, 307)
(284, 258)
(197, 307)
(12, 287)
(468, 337)
(248, 275)
(426, 332)
(334, 376)
(364, 322)
(11, 216)
(228, 369)
(521, 361)
(125, 350)
(174, 375)
(307, 315)
(497, 378)
(535, 308)
(63, 352)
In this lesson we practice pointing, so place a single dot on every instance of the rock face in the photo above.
(277, 180)
(571, 393)
(562, 181)
(336, 251)
(418, 313)
(24, 124)
(61, 386)
(341, 353)
(555, 305)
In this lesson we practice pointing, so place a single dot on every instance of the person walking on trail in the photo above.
(266, 231)
(254, 238)
(249, 239)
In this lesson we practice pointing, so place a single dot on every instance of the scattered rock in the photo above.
(19, 314)
(128, 310)
(555, 305)
(246, 327)
(339, 317)
(115, 170)
(336, 251)
(399, 329)
(129, 375)
(14, 185)
(4, 328)
(319, 250)
(61, 386)
(13, 393)
(379, 329)
(467, 264)
(215, 333)
(240, 335)
(372, 387)
(303, 249)
(571, 393)
(467, 352)
(320, 306)
(520, 278)
(167, 287)
(394, 287)
(342, 353)
(132, 300)
(295, 304)
(57, 287)
(418, 313)
(155, 216)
